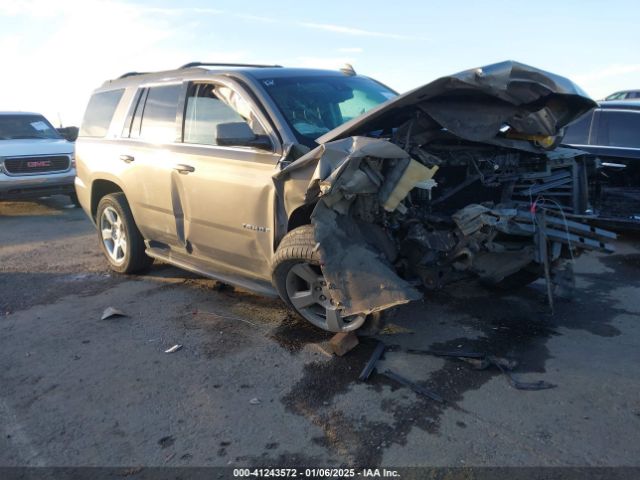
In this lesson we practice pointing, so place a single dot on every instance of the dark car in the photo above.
(611, 134)
(624, 95)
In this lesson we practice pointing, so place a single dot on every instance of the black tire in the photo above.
(74, 199)
(134, 259)
(296, 248)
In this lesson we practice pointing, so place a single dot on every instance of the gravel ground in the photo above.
(252, 386)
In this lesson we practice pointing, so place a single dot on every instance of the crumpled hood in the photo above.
(44, 146)
(474, 104)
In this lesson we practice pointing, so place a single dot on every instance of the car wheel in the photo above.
(119, 236)
(301, 284)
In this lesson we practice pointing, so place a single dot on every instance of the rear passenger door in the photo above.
(617, 142)
(150, 130)
(229, 155)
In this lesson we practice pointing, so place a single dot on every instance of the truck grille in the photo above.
(40, 164)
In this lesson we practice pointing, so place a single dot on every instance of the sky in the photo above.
(55, 52)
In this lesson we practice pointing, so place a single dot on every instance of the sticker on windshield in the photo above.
(39, 125)
(269, 83)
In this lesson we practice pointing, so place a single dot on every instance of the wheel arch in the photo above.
(100, 188)
(300, 216)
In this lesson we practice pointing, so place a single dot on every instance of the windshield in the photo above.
(315, 105)
(25, 126)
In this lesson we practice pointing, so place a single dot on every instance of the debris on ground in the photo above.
(111, 312)
(167, 441)
(255, 401)
(373, 360)
(413, 386)
(322, 348)
(481, 361)
(393, 329)
(343, 342)
(173, 349)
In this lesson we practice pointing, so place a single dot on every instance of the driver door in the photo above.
(222, 181)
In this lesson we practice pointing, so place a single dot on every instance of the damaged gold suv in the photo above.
(332, 191)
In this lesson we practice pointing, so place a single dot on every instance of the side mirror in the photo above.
(68, 133)
(239, 134)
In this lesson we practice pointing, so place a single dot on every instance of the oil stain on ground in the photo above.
(515, 325)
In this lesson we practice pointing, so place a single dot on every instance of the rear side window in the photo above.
(619, 129)
(578, 132)
(99, 113)
(159, 114)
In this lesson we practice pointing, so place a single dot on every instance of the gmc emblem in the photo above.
(40, 163)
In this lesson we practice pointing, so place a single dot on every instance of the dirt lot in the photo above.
(76, 390)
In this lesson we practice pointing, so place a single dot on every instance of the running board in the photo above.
(260, 287)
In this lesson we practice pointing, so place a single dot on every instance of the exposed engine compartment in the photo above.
(446, 187)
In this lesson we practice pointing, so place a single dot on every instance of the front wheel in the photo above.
(120, 239)
(301, 284)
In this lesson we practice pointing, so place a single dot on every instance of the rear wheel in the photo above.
(120, 239)
(300, 283)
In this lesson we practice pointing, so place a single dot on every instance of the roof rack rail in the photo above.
(131, 74)
(216, 64)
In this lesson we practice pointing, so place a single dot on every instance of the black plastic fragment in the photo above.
(371, 364)
(416, 388)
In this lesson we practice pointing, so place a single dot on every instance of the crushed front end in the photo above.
(458, 178)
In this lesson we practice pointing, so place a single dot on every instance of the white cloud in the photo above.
(329, 63)
(608, 79)
(90, 41)
(84, 42)
(257, 18)
(355, 31)
(606, 72)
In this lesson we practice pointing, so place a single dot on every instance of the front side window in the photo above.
(216, 115)
(577, 133)
(14, 127)
(315, 105)
(619, 129)
(99, 113)
(158, 122)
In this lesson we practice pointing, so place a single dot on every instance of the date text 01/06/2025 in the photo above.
(315, 473)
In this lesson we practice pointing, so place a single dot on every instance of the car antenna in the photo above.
(348, 70)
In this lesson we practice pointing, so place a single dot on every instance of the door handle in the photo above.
(127, 158)
(184, 169)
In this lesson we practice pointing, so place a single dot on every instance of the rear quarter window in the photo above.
(99, 113)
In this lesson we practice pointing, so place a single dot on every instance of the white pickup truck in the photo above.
(34, 159)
